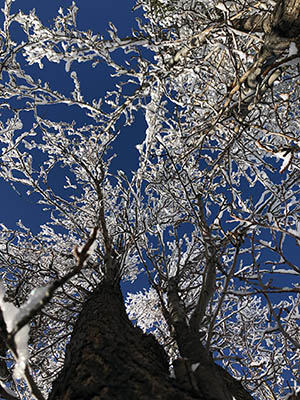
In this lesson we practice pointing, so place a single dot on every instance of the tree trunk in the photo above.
(109, 358)
(286, 19)
(281, 27)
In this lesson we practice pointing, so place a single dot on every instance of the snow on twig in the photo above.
(16, 328)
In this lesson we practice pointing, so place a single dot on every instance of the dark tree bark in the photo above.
(286, 19)
(109, 358)
(281, 27)
(206, 377)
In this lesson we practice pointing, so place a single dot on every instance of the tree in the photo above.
(208, 222)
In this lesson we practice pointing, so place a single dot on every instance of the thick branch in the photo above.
(253, 23)
(280, 28)
(211, 379)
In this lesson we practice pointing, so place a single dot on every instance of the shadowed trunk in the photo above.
(108, 358)
(281, 28)
(286, 19)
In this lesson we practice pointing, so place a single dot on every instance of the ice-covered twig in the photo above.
(276, 316)
(13, 320)
(7, 393)
(16, 350)
(41, 296)
(83, 253)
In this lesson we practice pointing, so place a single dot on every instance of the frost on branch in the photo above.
(12, 315)
(207, 207)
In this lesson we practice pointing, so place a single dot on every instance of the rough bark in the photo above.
(285, 28)
(286, 19)
(281, 27)
(253, 23)
(109, 358)
(206, 377)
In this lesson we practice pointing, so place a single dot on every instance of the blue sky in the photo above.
(93, 15)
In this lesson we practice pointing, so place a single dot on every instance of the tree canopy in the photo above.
(207, 224)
